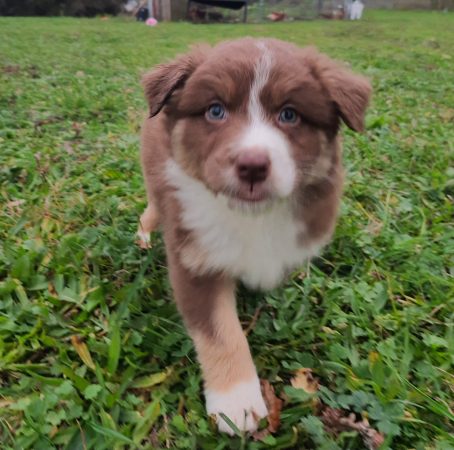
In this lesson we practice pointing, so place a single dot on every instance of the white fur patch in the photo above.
(257, 248)
(261, 135)
(261, 75)
(243, 405)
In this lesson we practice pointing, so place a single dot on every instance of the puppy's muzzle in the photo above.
(253, 167)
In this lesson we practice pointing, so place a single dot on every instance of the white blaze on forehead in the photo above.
(261, 76)
(261, 135)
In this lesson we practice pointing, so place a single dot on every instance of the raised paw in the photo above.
(243, 404)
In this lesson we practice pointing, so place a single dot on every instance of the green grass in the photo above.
(92, 351)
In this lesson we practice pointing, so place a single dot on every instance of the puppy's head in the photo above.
(256, 119)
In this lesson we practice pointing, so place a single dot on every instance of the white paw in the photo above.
(243, 404)
(143, 239)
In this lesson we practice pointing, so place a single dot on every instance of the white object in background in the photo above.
(356, 10)
(347, 8)
(130, 6)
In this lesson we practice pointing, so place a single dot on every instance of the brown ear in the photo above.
(349, 92)
(165, 79)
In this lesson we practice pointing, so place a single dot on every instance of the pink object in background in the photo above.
(151, 22)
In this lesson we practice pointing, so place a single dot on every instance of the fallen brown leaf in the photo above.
(47, 121)
(304, 379)
(336, 421)
(51, 289)
(11, 69)
(274, 405)
(82, 350)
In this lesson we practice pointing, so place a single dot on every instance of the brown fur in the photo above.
(207, 304)
(178, 94)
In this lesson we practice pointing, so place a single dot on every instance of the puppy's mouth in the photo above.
(255, 199)
(252, 196)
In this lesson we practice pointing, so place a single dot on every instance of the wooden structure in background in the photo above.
(228, 4)
(166, 10)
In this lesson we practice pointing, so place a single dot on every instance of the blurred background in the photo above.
(211, 11)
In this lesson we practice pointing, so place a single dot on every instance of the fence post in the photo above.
(150, 8)
(262, 10)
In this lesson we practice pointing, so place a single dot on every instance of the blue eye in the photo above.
(288, 115)
(216, 112)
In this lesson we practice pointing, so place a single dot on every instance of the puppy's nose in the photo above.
(253, 167)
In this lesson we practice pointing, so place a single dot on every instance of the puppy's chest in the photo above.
(257, 248)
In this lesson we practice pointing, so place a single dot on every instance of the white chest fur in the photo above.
(256, 248)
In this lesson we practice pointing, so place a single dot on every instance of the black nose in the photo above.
(253, 167)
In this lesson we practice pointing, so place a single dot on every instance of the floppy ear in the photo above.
(165, 79)
(349, 92)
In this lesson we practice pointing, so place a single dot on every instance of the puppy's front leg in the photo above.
(148, 222)
(208, 306)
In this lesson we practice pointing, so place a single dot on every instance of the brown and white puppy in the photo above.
(242, 164)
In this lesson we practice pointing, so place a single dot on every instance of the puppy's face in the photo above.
(256, 119)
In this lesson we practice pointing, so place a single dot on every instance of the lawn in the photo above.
(93, 354)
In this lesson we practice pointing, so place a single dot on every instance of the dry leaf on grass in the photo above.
(336, 421)
(274, 405)
(48, 120)
(304, 379)
(82, 350)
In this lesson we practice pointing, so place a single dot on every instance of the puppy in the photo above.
(242, 163)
